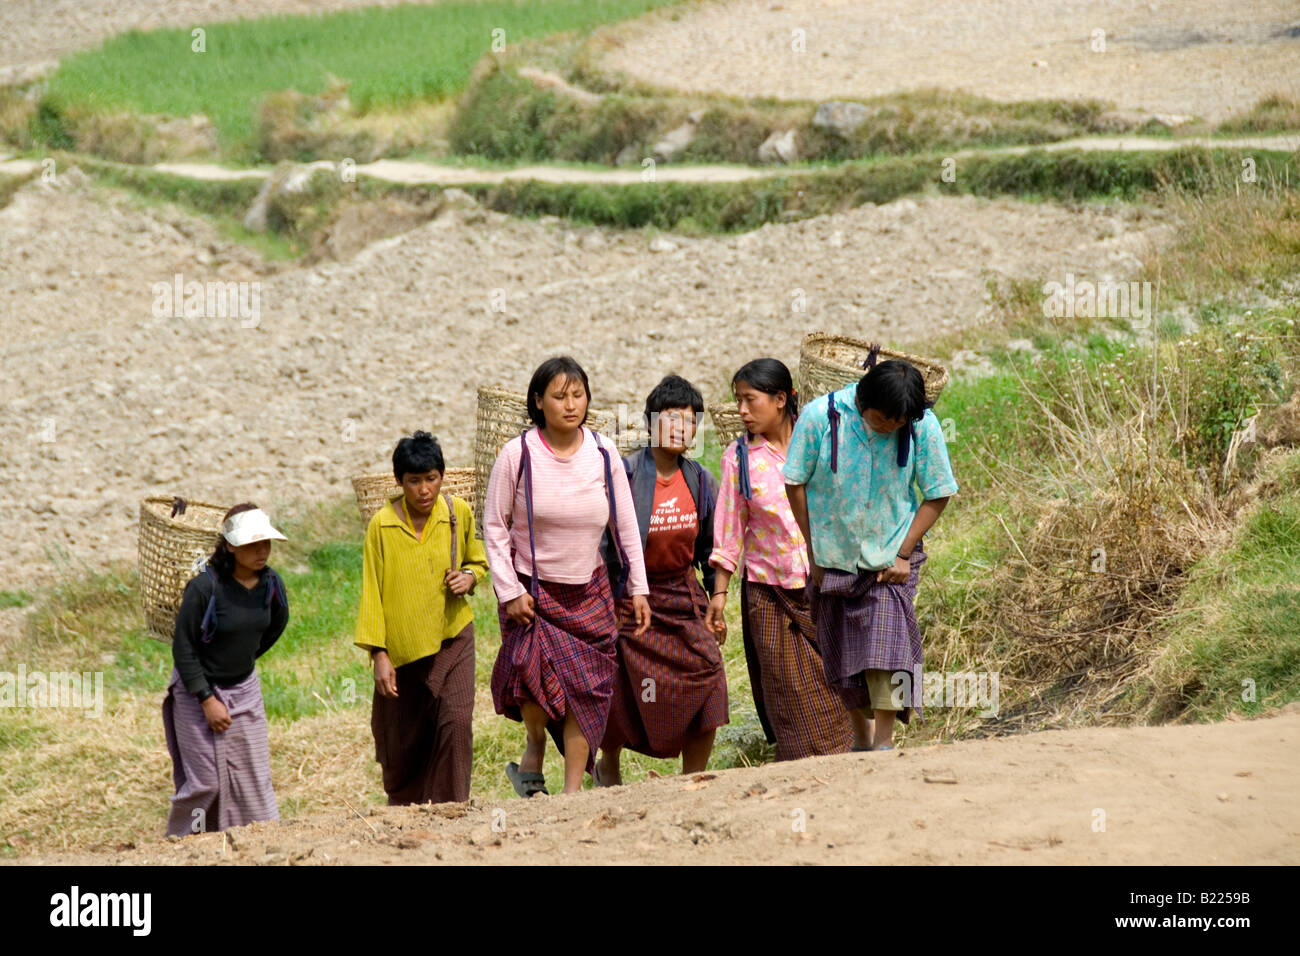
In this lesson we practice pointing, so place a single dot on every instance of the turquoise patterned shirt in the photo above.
(859, 515)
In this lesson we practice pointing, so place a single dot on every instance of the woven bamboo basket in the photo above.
(726, 422)
(171, 552)
(828, 363)
(373, 490)
(503, 414)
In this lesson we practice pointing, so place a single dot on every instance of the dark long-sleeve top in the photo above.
(640, 468)
(246, 629)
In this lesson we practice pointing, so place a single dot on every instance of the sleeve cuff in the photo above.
(722, 561)
(506, 596)
(793, 477)
(943, 491)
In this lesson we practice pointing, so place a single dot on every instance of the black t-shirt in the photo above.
(246, 629)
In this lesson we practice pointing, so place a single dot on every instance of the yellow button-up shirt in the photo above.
(406, 607)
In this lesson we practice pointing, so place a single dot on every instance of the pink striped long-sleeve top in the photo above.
(570, 512)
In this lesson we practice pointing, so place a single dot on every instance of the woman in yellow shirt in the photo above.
(420, 562)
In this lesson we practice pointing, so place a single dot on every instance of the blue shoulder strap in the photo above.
(742, 465)
(833, 413)
(903, 435)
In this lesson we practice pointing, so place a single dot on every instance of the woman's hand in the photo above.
(459, 582)
(898, 574)
(521, 610)
(385, 675)
(217, 716)
(641, 608)
(715, 617)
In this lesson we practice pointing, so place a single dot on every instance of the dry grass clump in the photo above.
(1134, 487)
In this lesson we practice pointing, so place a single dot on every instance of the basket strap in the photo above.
(451, 512)
(742, 465)
(526, 470)
(833, 413)
(178, 506)
(872, 356)
(903, 435)
(208, 626)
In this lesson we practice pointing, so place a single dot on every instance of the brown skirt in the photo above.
(423, 738)
(798, 710)
(672, 685)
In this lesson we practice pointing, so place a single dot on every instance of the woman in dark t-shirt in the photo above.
(671, 694)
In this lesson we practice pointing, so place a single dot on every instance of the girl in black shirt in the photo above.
(214, 718)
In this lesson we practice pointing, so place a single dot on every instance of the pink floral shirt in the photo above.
(764, 526)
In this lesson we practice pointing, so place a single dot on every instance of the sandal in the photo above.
(526, 782)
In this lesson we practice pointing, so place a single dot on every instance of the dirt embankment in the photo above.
(1204, 794)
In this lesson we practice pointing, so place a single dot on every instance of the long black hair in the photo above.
(771, 376)
(560, 365)
(221, 559)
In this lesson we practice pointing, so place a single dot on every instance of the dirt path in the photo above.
(411, 172)
(1223, 794)
(1208, 58)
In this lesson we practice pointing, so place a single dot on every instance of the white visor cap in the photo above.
(249, 526)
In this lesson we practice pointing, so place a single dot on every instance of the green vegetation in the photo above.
(389, 57)
(507, 116)
(1231, 644)
(745, 205)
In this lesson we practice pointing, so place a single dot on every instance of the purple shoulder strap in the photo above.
(526, 473)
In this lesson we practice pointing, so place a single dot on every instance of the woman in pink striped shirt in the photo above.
(558, 660)
(798, 711)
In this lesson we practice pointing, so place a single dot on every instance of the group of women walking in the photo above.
(611, 577)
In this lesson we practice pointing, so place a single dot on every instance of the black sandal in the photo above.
(526, 782)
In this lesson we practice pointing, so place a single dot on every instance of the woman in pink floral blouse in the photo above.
(799, 712)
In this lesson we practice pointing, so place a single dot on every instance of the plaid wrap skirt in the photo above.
(565, 660)
(799, 712)
(672, 684)
(864, 624)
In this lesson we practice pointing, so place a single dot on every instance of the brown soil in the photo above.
(1209, 58)
(401, 336)
(1221, 794)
